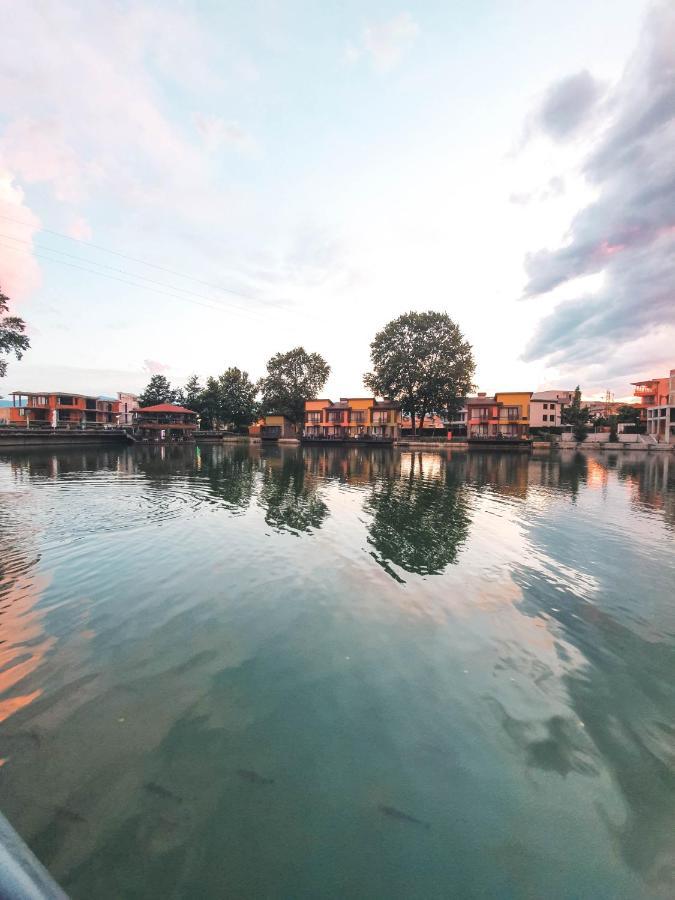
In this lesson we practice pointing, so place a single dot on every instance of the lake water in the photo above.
(327, 672)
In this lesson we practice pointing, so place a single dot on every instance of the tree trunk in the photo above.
(412, 420)
(422, 417)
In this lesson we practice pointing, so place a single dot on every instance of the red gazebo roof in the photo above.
(165, 408)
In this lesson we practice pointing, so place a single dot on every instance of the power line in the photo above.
(135, 284)
(135, 259)
(114, 269)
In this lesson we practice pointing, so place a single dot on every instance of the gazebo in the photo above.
(165, 422)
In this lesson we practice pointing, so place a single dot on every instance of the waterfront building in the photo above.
(457, 424)
(128, 405)
(165, 422)
(352, 418)
(660, 417)
(58, 410)
(504, 415)
(546, 408)
(433, 425)
(651, 392)
(276, 427)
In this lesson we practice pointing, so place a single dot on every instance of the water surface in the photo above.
(327, 672)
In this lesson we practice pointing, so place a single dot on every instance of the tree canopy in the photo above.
(292, 378)
(158, 390)
(422, 360)
(229, 399)
(190, 395)
(577, 416)
(12, 335)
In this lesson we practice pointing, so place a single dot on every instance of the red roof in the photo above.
(165, 408)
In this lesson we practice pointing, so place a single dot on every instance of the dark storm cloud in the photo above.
(566, 105)
(628, 232)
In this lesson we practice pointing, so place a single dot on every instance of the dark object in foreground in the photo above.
(254, 777)
(394, 813)
(153, 788)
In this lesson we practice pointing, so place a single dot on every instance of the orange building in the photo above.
(352, 419)
(505, 415)
(62, 410)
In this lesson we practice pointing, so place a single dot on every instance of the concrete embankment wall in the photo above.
(25, 438)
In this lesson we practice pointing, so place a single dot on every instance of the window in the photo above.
(512, 413)
(545, 417)
(380, 417)
(313, 418)
(545, 405)
(67, 401)
(358, 417)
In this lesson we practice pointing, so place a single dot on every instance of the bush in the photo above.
(580, 432)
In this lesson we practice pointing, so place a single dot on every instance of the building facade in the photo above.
(660, 417)
(504, 415)
(277, 428)
(546, 408)
(352, 418)
(128, 404)
(164, 423)
(59, 410)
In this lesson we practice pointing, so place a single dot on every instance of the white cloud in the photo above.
(385, 43)
(216, 133)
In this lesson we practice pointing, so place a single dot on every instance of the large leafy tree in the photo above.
(291, 379)
(422, 360)
(158, 390)
(229, 399)
(12, 334)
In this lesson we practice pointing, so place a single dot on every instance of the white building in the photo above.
(546, 408)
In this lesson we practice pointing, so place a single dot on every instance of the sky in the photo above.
(187, 186)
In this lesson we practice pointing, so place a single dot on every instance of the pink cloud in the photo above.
(153, 367)
(19, 270)
(80, 229)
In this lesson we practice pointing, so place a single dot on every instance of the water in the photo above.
(236, 673)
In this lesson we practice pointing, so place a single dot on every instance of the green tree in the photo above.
(229, 399)
(191, 395)
(158, 390)
(630, 415)
(577, 416)
(12, 337)
(291, 379)
(422, 360)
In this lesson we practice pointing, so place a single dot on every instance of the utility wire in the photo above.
(125, 281)
(120, 271)
(136, 259)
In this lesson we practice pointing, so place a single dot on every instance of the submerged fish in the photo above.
(254, 777)
(159, 791)
(394, 813)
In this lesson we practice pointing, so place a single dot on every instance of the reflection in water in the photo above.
(192, 704)
(420, 518)
(288, 494)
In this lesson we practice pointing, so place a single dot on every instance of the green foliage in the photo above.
(229, 399)
(577, 416)
(12, 337)
(422, 361)
(190, 396)
(158, 390)
(613, 429)
(628, 414)
(292, 378)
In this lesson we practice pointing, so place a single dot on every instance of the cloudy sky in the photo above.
(187, 186)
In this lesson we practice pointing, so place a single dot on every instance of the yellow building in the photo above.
(514, 413)
(352, 418)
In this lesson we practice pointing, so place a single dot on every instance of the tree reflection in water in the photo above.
(288, 494)
(420, 518)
